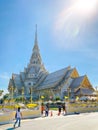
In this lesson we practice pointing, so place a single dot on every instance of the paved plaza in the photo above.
(84, 121)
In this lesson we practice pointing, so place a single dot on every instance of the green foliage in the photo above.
(19, 99)
(0, 106)
(6, 96)
(1, 91)
(57, 98)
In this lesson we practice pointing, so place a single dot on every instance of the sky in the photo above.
(67, 36)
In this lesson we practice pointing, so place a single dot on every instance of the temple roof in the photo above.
(22, 74)
(84, 91)
(76, 82)
(17, 81)
(53, 79)
(69, 72)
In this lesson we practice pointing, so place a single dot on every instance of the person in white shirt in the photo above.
(18, 116)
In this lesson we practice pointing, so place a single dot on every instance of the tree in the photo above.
(1, 92)
(6, 96)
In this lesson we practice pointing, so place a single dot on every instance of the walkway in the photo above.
(85, 121)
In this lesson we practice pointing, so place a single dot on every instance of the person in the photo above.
(46, 110)
(42, 109)
(64, 109)
(18, 116)
(59, 110)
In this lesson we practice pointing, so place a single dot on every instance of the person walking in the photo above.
(59, 110)
(64, 109)
(46, 110)
(42, 109)
(18, 117)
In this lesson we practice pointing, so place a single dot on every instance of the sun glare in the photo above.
(85, 7)
(74, 18)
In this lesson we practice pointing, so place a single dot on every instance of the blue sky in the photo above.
(67, 35)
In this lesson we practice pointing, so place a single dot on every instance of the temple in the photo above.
(36, 80)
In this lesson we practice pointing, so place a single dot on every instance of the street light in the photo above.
(31, 94)
(96, 91)
(68, 89)
(22, 94)
(11, 91)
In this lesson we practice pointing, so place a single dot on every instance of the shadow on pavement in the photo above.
(11, 128)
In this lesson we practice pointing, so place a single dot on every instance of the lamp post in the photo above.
(68, 94)
(11, 93)
(96, 92)
(11, 88)
(22, 94)
(31, 94)
(67, 103)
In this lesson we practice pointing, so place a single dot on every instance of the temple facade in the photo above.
(35, 80)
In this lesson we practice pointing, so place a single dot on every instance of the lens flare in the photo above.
(85, 7)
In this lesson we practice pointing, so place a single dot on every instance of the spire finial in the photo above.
(36, 34)
(36, 27)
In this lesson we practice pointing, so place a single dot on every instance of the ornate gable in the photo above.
(74, 73)
(86, 83)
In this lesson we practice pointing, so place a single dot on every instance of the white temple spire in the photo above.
(36, 57)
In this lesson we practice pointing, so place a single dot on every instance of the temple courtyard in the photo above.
(83, 121)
